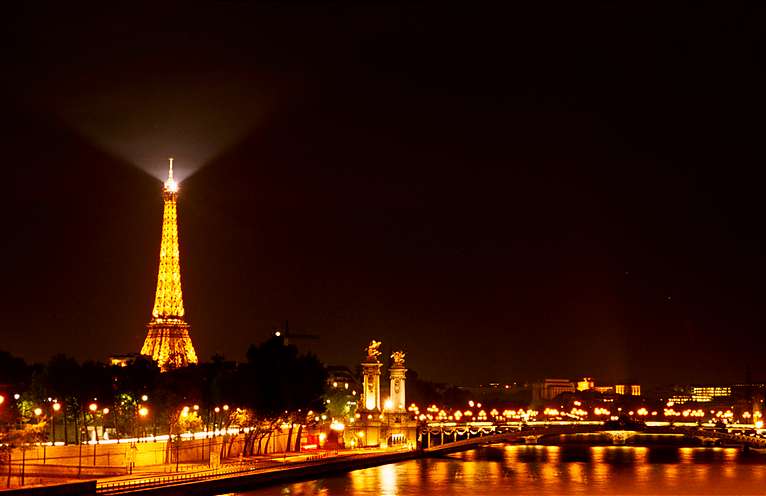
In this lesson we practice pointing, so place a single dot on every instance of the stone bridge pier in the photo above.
(532, 439)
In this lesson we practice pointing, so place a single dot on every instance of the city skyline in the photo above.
(541, 201)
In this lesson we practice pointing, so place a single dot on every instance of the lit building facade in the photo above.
(167, 339)
(708, 393)
(550, 388)
(627, 389)
(699, 394)
(585, 384)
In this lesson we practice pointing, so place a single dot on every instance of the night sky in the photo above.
(504, 192)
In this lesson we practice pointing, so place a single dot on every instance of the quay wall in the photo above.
(243, 482)
(44, 464)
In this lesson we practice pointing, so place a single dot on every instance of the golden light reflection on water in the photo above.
(552, 470)
(640, 461)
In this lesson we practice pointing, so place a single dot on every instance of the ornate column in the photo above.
(371, 371)
(397, 373)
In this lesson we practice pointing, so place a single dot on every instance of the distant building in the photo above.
(585, 384)
(550, 388)
(122, 360)
(698, 394)
(679, 399)
(705, 394)
(627, 389)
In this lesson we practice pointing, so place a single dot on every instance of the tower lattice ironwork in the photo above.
(167, 338)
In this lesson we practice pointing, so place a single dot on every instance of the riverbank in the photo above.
(254, 476)
(286, 468)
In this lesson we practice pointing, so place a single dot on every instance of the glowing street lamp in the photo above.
(55, 407)
(93, 407)
(38, 411)
(144, 397)
(143, 411)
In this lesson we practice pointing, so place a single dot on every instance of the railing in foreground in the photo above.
(240, 468)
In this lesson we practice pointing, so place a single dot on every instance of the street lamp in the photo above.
(142, 413)
(217, 411)
(55, 407)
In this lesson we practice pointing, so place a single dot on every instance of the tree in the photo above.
(278, 384)
(61, 380)
(13, 370)
(19, 437)
(131, 383)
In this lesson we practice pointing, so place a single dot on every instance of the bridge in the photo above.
(449, 437)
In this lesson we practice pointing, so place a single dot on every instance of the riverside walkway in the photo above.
(250, 473)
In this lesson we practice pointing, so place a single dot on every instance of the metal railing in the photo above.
(199, 475)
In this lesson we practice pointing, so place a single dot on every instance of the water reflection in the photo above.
(552, 470)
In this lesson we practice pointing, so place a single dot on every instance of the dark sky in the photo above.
(504, 192)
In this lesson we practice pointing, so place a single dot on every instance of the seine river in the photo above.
(552, 470)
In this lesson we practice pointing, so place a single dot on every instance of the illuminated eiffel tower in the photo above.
(167, 338)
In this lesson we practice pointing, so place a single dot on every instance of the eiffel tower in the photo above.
(167, 338)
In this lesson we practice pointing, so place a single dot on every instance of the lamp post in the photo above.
(104, 412)
(93, 407)
(143, 411)
(55, 407)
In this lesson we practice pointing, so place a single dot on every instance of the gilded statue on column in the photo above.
(372, 351)
(398, 357)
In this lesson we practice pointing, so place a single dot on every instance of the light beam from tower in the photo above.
(167, 339)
